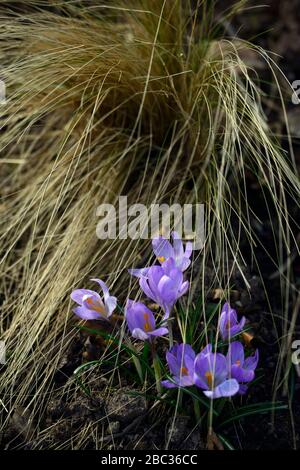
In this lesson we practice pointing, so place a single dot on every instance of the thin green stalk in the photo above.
(157, 370)
(197, 410)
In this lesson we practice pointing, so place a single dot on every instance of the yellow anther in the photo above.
(209, 378)
(147, 326)
(161, 259)
(183, 371)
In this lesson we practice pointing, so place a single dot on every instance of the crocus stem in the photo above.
(179, 398)
(171, 342)
(156, 367)
(210, 418)
(135, 360)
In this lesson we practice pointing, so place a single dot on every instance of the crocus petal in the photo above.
(167, 290)
(173, 363)
(159, 332)
(178, 246)
(146, 289)
(184, 288)
(188, 249)
(236, 353)
(252, 361)
(86, 314)
(138, 316)
(228, 323)
(78, 294)
(142, 272)
(109, 300)
(168, 384)
(168, 266)
(243, 389)
(167, 311)
(188, 351)
(180, 360)
(214, 364)
(139, 334)
(110, 304)
(227, 388)
(103, 287)
(185, 262)
(162, 248)
(200, 381)
(207, 349)
(241, 375)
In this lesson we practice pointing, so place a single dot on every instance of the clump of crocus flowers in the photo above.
(217, 374)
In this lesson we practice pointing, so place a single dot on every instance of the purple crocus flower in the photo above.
(211, 375)
(180, 360)
(228, 324)
(164, 285)
(141, 322)
(164, 250)
(241, 369)
(91, 306)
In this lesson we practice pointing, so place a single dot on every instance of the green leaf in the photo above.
(226, 443)
(251, 410)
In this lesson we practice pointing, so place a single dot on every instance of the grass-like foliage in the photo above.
(144, 98)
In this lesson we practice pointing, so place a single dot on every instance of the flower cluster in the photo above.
(216, 374)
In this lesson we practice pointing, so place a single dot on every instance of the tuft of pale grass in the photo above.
(139, 98)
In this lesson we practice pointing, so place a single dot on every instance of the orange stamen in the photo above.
(209, 378)
(183, 371)
(147, 326)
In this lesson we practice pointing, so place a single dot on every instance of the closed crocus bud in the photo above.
(241, 369)
(141, 321)
(180, 360)
(229, 325)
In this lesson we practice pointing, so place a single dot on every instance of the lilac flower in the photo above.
(164, 250)
(211, 375)
(241, 369)
(164, 285)
(180, 360)
(228, 324)
(141, 322)
(91, 306)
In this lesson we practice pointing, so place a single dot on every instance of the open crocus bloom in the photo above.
(228, 324)
(211, 376)
(91, 306)
(141, 322)
(180, 360)
(241, 369)
(164, 285)
(164, 250)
